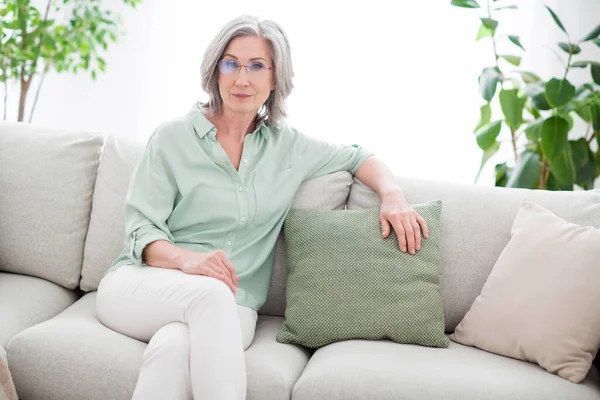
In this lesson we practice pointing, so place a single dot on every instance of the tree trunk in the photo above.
(24, 89)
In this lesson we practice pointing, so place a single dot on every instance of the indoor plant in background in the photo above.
(543, 155)
(65, 36)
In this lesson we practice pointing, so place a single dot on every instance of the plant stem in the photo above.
(545, 173)
(514, 143)
(592, 137)
(489, 8)
(5, 95)
(37, 93)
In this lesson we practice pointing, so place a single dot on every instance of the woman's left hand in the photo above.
(407, 223)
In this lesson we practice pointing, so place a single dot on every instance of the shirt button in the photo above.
(229, 243)
(245, 160)
(243, 219)
(241, 189)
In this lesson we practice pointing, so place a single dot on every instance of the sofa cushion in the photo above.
(26, 301)
(273, 368)
(73, 356)
(384, 370)
(346, 282)
(328, 192)
(535, 305)
(47, 179)
(106, 235)
(476, 224)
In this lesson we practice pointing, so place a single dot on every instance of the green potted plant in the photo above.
(67, 36)
(538, 115)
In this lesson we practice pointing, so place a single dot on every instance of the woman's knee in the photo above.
(171, 342)
(215, 291)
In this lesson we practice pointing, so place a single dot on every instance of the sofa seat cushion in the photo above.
(384, 370)
(26, 301)
(273, 368)
(73, 356)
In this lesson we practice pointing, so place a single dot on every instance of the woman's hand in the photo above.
(407, 223)
(213, 263)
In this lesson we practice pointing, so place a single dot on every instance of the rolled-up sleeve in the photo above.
(321, 158)
(149, 202)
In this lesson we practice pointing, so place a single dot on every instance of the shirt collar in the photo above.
(203, 126)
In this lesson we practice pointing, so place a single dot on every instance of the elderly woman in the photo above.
(203, 211)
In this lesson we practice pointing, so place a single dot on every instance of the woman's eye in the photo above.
(231, 64)
(256, 66)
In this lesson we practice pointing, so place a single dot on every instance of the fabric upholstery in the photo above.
(476, 223)
(328, 192)
(105, 238)
(535, 305)
(385, 370)
(76, 357)
(26, 301)
(47, 179)
(346, 282)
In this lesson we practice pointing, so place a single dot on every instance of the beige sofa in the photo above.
(61, 226)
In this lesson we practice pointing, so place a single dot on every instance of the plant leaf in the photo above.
(465, 3)
(484, 31)
(533, 130)
(488, 81)
(583, 109)
(515, 40)
(485, 116)
(486, 136)
(583, 64)
(569, 48)
(514, 60)
(487, 154)
(553, 184)
(597, 42)
(559, 92)
(502, 174)
(592, 35)
(529, 77)
(596, 73)
(563, 168)
(527, 171)
(490, 23)
(580, 150)
(512, 7)
(512, 107)
(555, 131)
(557, 20)
(538, 97)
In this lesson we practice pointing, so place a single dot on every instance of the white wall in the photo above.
(417, 114)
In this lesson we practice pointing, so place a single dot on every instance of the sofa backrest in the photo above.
(46, 184)
(106, 234)
(476, 224)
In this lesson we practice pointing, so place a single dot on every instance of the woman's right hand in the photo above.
(213, 263)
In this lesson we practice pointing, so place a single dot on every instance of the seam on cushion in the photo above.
(296, 388)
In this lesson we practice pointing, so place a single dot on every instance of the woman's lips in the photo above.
(242, 96)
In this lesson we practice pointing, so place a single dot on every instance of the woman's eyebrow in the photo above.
(252, 59)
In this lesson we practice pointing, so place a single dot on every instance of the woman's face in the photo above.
(243, 90)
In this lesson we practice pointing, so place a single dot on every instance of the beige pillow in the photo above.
(539, 303)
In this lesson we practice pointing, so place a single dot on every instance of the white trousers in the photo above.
(197, 333)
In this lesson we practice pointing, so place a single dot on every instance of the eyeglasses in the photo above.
(255, 69)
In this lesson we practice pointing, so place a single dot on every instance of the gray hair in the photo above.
(246, 25)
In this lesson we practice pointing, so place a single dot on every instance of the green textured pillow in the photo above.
(346, 282)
